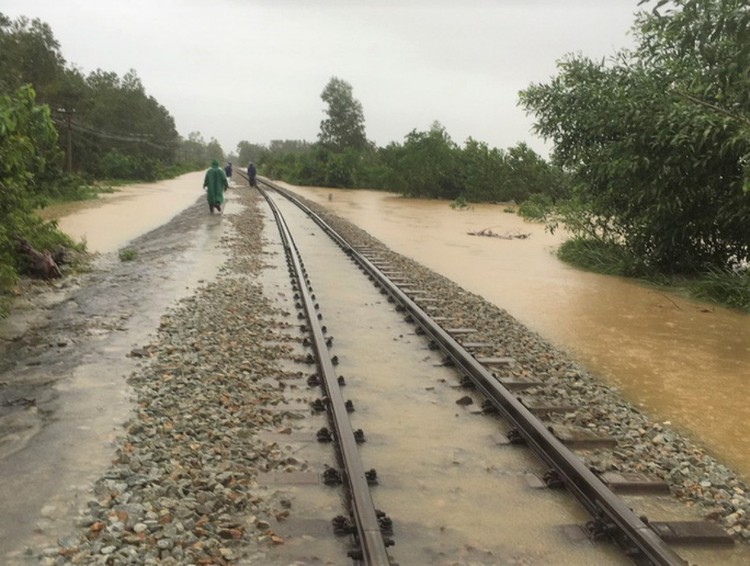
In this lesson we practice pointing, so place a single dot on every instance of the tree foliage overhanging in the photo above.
(29, 158)
(658, 139)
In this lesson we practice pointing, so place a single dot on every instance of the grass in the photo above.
(598, 256)
(728, 288)
(723, 287)
(128, 254)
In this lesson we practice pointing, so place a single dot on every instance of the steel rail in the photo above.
(370, 536)
(603, 505)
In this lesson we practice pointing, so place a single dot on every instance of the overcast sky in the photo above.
(254, 69)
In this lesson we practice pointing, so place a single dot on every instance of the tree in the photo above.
(29, 53)
(214, 150)
(345, 126)
(429, 164)
(703, 47)
(250, 152)
(28, 158)
(657, 139)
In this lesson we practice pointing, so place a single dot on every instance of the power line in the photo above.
(135, 138)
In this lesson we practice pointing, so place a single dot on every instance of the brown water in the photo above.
(682, 361)
(110, 221)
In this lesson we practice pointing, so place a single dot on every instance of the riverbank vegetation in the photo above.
(657, 143)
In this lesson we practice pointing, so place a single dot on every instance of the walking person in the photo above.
(228, 169)
(215, 182)
(251, 174)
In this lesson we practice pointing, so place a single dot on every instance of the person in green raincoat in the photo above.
(215, 182)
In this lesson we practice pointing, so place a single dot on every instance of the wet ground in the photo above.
(76, 342)
(66, 350)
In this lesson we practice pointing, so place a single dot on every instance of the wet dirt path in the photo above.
(66, 355)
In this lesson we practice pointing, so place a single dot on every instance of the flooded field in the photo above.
(682, 361)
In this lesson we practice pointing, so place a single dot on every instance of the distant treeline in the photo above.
(427, 164)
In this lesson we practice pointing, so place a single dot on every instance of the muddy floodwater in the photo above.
(111, 220)
(680, 360)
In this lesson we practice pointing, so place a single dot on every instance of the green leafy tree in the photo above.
(122, 119)
(529, 174)
(657, 139)
(28, 155)
(194, 150)
(429, 164)
(702, 47)
(106, 119)
(214, 151)
(29, 53)
(345, 125)
(485, 173)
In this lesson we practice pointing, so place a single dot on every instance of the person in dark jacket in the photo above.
(215, 182)
(228, 170)
(251, 175)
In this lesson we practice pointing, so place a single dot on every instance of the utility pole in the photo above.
(68, 113)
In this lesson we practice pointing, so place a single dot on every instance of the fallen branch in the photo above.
(40, 264)
(507, 236)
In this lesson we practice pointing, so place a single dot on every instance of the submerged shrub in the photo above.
(537, 207)
(460, 203)
(600, 256)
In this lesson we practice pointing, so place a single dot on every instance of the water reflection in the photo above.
(681, 360)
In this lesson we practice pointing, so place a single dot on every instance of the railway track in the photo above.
(610, 518)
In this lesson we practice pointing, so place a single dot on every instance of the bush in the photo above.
(460, 203)
(729, 288)
(28, 169)
(128, 254)
(600, 256)
(538, 207)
